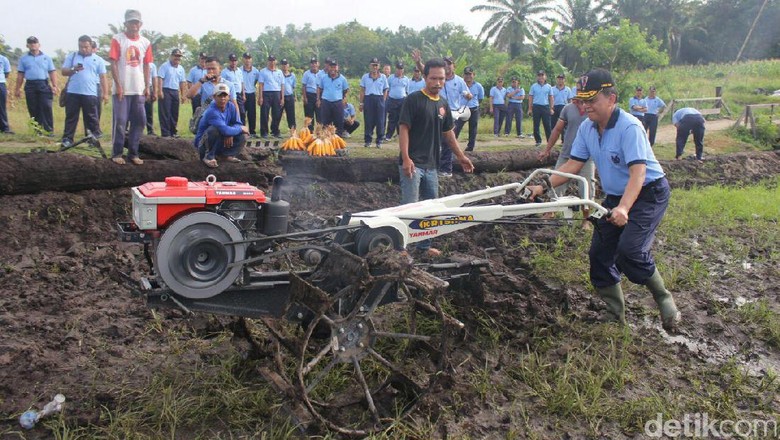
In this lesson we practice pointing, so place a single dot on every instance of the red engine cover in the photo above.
(178, 195)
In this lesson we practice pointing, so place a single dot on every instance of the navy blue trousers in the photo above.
(272, 105)
(289, 110)
(615, 250)
(374, 117)
(310, 109)
(85, 104)
(168, 111)
(473, 125)
(514, 112)
(393, 115)
(690, 124)
(39, 98)
(250, 116)
(556, 114)
(541, 114)
(212, 144)
(333, 113)
(651, 126)
(3, 109)
(499, 113)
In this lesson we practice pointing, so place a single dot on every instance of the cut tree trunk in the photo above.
(383, 169)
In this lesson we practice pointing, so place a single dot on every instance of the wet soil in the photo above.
(70, 324)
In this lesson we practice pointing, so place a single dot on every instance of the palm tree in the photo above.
(581, 14)
(513, 22)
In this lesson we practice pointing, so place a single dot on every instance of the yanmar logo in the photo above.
(429, 223)
(233, 193)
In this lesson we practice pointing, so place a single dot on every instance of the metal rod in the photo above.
(404, 336)
(366, 390)
(321, 375)
(316, 360)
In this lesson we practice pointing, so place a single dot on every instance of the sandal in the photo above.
(232, 159)
(211, 163)
(118, 160)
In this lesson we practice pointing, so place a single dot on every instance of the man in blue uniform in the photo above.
(637, 105)
(171, 83)
(332, 97)
(85, 71)
(561, 96)
(251, 77)
(540, 105)
(373, 97)
(288, 102)
(35, 71)
(654, 104)
(350, 123)
(270, 98)
(197, 72)
(689, 120)
(498, 105)
(416, 83)
(514, 108)
(637, 194)
(309, 84)
(477, 95)
(232, 74)
(220, 132)
(399, 84)
(5, 70)
(205, 86)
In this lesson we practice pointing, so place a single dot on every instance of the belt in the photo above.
(648, 186)
(37, 80)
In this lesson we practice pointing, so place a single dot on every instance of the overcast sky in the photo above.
(59, 23)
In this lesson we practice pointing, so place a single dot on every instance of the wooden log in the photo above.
(383, 169)
(154, 147)
(29, 173)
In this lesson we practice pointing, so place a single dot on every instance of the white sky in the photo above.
(59, 23)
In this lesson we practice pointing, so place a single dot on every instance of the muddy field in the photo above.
(70, 324)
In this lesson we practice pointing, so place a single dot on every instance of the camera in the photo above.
(79, 66)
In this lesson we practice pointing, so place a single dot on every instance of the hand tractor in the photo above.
(359, 328)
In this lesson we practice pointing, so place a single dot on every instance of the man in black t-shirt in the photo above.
(424, 124)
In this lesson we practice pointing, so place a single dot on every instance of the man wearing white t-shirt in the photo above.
(130, 56)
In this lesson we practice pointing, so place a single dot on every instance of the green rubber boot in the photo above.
(670, 316)
(613, 298)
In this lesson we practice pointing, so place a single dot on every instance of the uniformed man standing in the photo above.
(5, 70)
(416, 83)
(514, 108)
(332, 97)
(233, 75)
(288, 104)
(197, 72)
(35, 71)
(477, 95)
(171, 83)
(637, 194)
(638, 105)
(86, 73)
(561, 96)
(395, 98)
(373, 97)
(309, 85)
(654, 104)
(540, 106)
(251, 77)
(270, 98)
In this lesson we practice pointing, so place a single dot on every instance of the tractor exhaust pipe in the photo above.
(276, 210)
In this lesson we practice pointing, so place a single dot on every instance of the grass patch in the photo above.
(766, 321)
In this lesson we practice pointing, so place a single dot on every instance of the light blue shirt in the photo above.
(207, 90)
(333, 88)
(349, 111)
(84, 82)
(541, 93)
(478, 94)
(654, 104)
(453, 92)
(272, 81)
(228, 122)
(251, 79)
(35, 67)
(398, 86)
(498, 95)
(310, 81)
(289, 84)
(513, 93)
(374, 86)
(562, 96)
(623, 143)
(415, 86)
(683, 112)
(196, 73)
(234, 77)
(636, 101)
(152, 74)
(5, 68)
(171, 76)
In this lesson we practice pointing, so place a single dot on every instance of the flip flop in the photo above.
(211, 163)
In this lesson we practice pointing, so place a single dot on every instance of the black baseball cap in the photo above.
(468, 70)
(514, 78)
(271, 58)
(32, 40)
(560, 75)
(652, 88)
(176, 53)
(232, 57)
(313, 60)
(593, 82)
(448, 60)
(374, 60)
(202, 55)
(399, 65)
(284, 61)
(333, 62)
(541, 72)
(639, 88)
(247, 55)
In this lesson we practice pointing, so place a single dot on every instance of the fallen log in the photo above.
(154, 147)
(384, 169)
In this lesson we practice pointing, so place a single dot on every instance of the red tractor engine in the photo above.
(199, 229)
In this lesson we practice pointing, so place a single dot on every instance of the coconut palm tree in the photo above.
(513, 22)
(581, 14)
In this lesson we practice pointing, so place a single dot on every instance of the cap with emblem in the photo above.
(232, 57)
(333, 62)
(639, 88)
(202, 55)
(560, 75)
(313, 60)
(540, 73)
(176, 53)
(374, 60)
(468, 70)
(32, 40)
(284, 62)
(271, 58)
(593, 82)
(399, 65)
(247, 55)
(132, 15)
(448, 60)
(221, 89)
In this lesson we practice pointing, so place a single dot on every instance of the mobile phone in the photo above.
(79, 66)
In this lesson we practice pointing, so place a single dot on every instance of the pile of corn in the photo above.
(323, 142)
